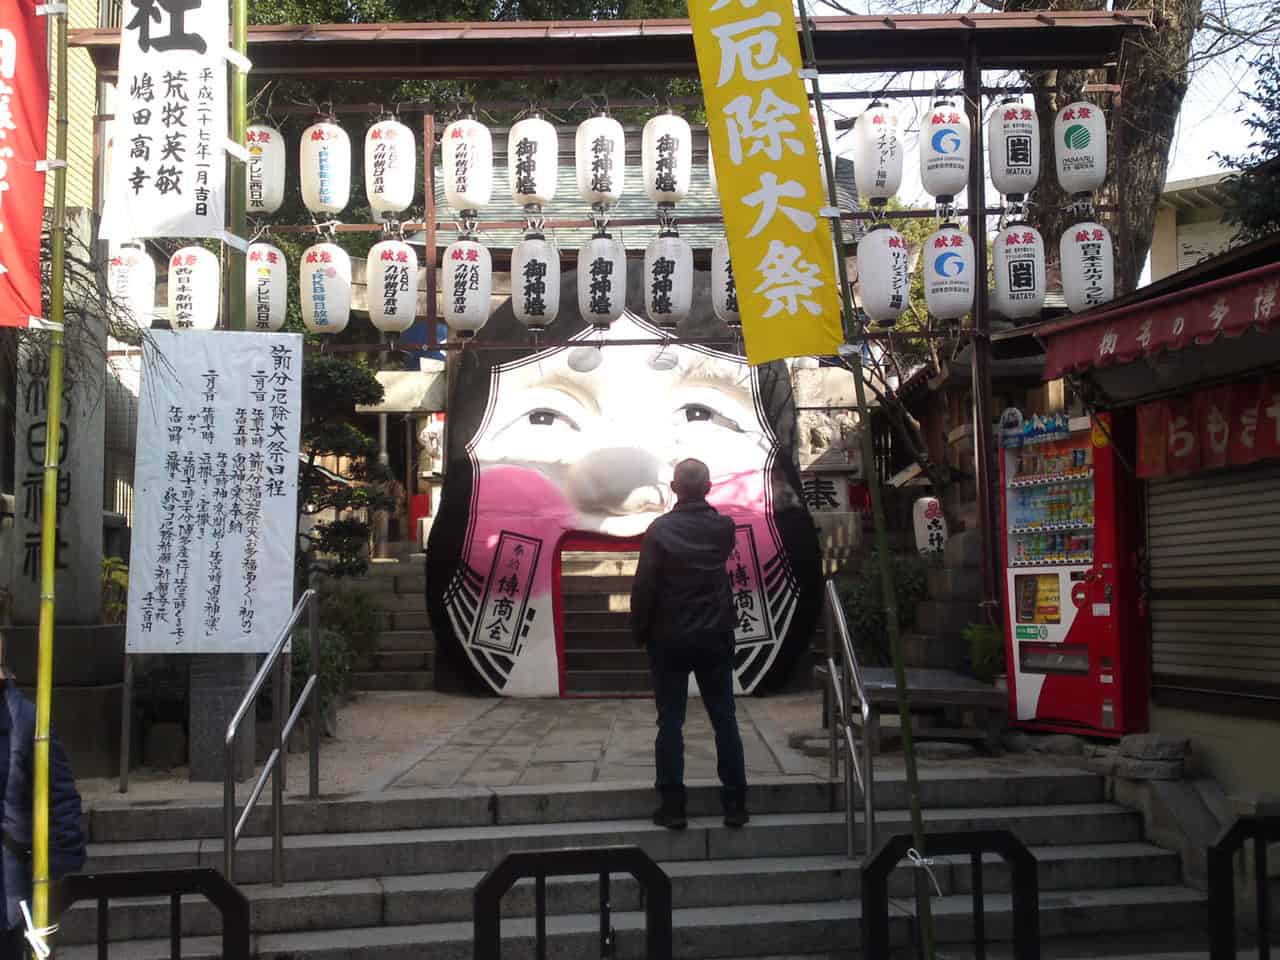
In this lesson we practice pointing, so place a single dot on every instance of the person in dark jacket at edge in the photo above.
(17, 774)
(682, 611)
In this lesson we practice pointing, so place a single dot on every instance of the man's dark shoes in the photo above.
(735, 814)
(671, 817)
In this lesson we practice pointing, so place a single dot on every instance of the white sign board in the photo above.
(167, 171)
(215, 492)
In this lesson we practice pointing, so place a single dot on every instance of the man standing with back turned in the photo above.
(682, 610)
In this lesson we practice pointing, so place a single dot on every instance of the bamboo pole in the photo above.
(49, 496)
(239, 318)
(852, 329)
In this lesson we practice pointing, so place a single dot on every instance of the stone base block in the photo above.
(87, 721)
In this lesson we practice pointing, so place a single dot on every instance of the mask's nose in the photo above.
(620, 480)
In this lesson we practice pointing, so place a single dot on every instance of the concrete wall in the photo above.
(1229, 747)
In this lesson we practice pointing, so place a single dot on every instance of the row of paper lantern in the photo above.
(533, 151)
(324, 284)
(1018, 269)
(1013, 149)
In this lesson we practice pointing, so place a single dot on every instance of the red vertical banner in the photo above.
(1182, 437)
(1244, 422)
(1153, 424)
(1212, 410)
(1267, 437)
(24, 121)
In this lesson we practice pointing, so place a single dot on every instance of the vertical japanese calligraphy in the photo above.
(770, 184)
(168, 171)
(216, 485)
(24, 113)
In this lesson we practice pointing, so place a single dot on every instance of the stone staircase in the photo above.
(934, 640)
(390, 876)
(600, 657)
(403, 658)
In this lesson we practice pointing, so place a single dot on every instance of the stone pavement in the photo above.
(397, 740)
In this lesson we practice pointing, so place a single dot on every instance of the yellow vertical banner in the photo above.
(770, 182)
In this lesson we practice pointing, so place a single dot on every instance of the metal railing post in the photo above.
(851, 830)
(829, 693)
(870, 737)
(313, 733)
(277, 774)
(228, 813)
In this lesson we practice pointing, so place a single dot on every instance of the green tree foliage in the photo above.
(338, 545)
(1254, 207)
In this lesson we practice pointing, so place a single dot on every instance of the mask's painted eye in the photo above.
(695, 411)
(542, 418)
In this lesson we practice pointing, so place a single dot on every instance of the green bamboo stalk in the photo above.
(853, 333)
(238, 319)
(49, 497)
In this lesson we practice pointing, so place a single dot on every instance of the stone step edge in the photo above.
(954, 908)
(490, 799)
(573, 831)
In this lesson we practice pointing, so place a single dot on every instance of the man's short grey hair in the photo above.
(691, 475)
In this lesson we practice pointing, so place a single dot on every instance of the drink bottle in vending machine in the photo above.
(1075, 638)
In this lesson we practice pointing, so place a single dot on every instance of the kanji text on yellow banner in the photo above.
(770, 182)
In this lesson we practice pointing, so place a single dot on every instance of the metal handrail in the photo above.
(274, 768)
(845, 685)
(1262, 830)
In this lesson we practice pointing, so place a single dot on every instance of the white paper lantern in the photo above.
(535, 281)
(724, 289)
(467, 284)
(194, 287)
(324, 286)
(1017, 263)
(391, 285)
(1088, 266)
(1080, 145)
(668, 279)
(533, 157)
(266, 287)
(602, 280)
(390, 167)
(1013, 146)
(600, 154)
(949, 273)
(325, 160)
(131, 278)
(944, 149)
(877, 153)
(467, 158)
(666, 158)
(264, 173)
(883, 281)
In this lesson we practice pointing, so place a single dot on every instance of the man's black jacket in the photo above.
(681, 588)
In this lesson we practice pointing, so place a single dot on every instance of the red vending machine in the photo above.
(1075, 636)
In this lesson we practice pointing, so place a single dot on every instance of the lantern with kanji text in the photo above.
(264, 173)
(666, 158)
(467, 284)
(131, 279)
(1017, 265)
(324, 287)
(1080, 147)
(600, 154)
(533, 158)
(466, 148)
(944, 149)
(602, 280)
(884, 283)
(877, 153)
(949, 272)
(194, 288)
(1013, 148)
(390, 168)
(535, 281)
(1088, 266)
(724, 290)
(668, 279)
(325, 161)
(391, 285)
(266, 287)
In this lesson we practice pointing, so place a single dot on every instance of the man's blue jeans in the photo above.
(710, 660)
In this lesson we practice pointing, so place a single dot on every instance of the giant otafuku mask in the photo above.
(576, 446)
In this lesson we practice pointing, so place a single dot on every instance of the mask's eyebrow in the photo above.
(580, 387)
(716, 376)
